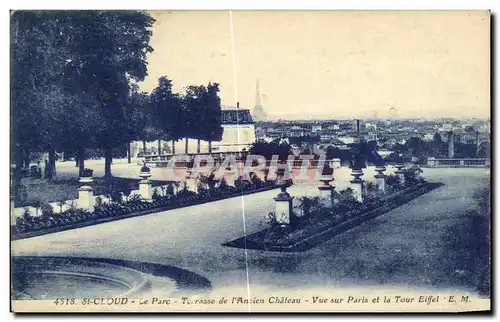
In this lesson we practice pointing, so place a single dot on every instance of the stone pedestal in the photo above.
(400, 172)
(336, 163)
(283, 209)
(326, 191)
(380, 178)
(86, 198)
(431, 162)
(86, 194)
(146, 190)
(357, 184)
(326, 195)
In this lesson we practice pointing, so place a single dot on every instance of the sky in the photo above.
(330, 64)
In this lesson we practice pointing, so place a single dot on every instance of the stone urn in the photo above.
(145, 172)
(400, 172)
(357, 184)
(399, 166)
(380, 169)
(357, 173)
(86, 177)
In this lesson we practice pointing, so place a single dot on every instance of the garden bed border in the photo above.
(17, 235)
(309, 242)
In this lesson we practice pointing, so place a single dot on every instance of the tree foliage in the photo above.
(71, 74)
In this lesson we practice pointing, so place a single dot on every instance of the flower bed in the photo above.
(311, 229)
(49, 222)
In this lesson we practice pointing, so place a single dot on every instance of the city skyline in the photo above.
(320, 64)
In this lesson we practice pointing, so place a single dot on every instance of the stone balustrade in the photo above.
(458, 163)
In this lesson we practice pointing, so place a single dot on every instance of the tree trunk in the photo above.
(108, 158)
(129, 157)
(51, 165)
(144, 147)
(27, 158)
(81, 160)
(173, 147)
(187, 140)
(159, 147)
(209, 146)
(198, 147)
(17, 173)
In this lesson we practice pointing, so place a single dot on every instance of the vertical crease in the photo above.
(235, 85)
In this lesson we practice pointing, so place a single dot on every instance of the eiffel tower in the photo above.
(258, 113)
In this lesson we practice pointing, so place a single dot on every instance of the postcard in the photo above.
(250, 161)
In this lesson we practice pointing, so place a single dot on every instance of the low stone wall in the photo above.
(458, 163)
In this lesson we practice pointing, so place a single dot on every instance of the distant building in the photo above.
(316, 128)
(239, 130)
(238, 134)
(348, 139)
(258, 113)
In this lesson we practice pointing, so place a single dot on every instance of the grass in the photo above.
(66, 189)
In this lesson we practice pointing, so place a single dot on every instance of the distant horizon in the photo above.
(272, 118)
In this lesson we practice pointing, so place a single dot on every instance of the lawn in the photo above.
(66, 189)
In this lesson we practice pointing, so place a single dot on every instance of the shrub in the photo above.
(87, 172)
(63, 202)
(238, 183)
(37, 204)
(27, 214)
(36, 171)
(47, 210)
(135, 199)
(115, 196)
(413, 176)
(201, 182)
(156, 194)
(125, 188)
(258, 182)
(310, 206)
(393, 181)
(170, 189)
(223, 184)
(211, 181)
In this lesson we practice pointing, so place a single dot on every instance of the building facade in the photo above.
(238, 135)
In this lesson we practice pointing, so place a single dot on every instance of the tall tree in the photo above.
(195, 113)
(48, 113)
(213, 129)
(70, 78)
(166, 112)
(111, 51)
(203, 114)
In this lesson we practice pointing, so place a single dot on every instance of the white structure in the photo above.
(283, 209)
(239, 130)
(400, 173)
(316, 128)
(238, 134)
(336, 163)
(357, 184)
(86, 194)
(380, 178)
(145, 187)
